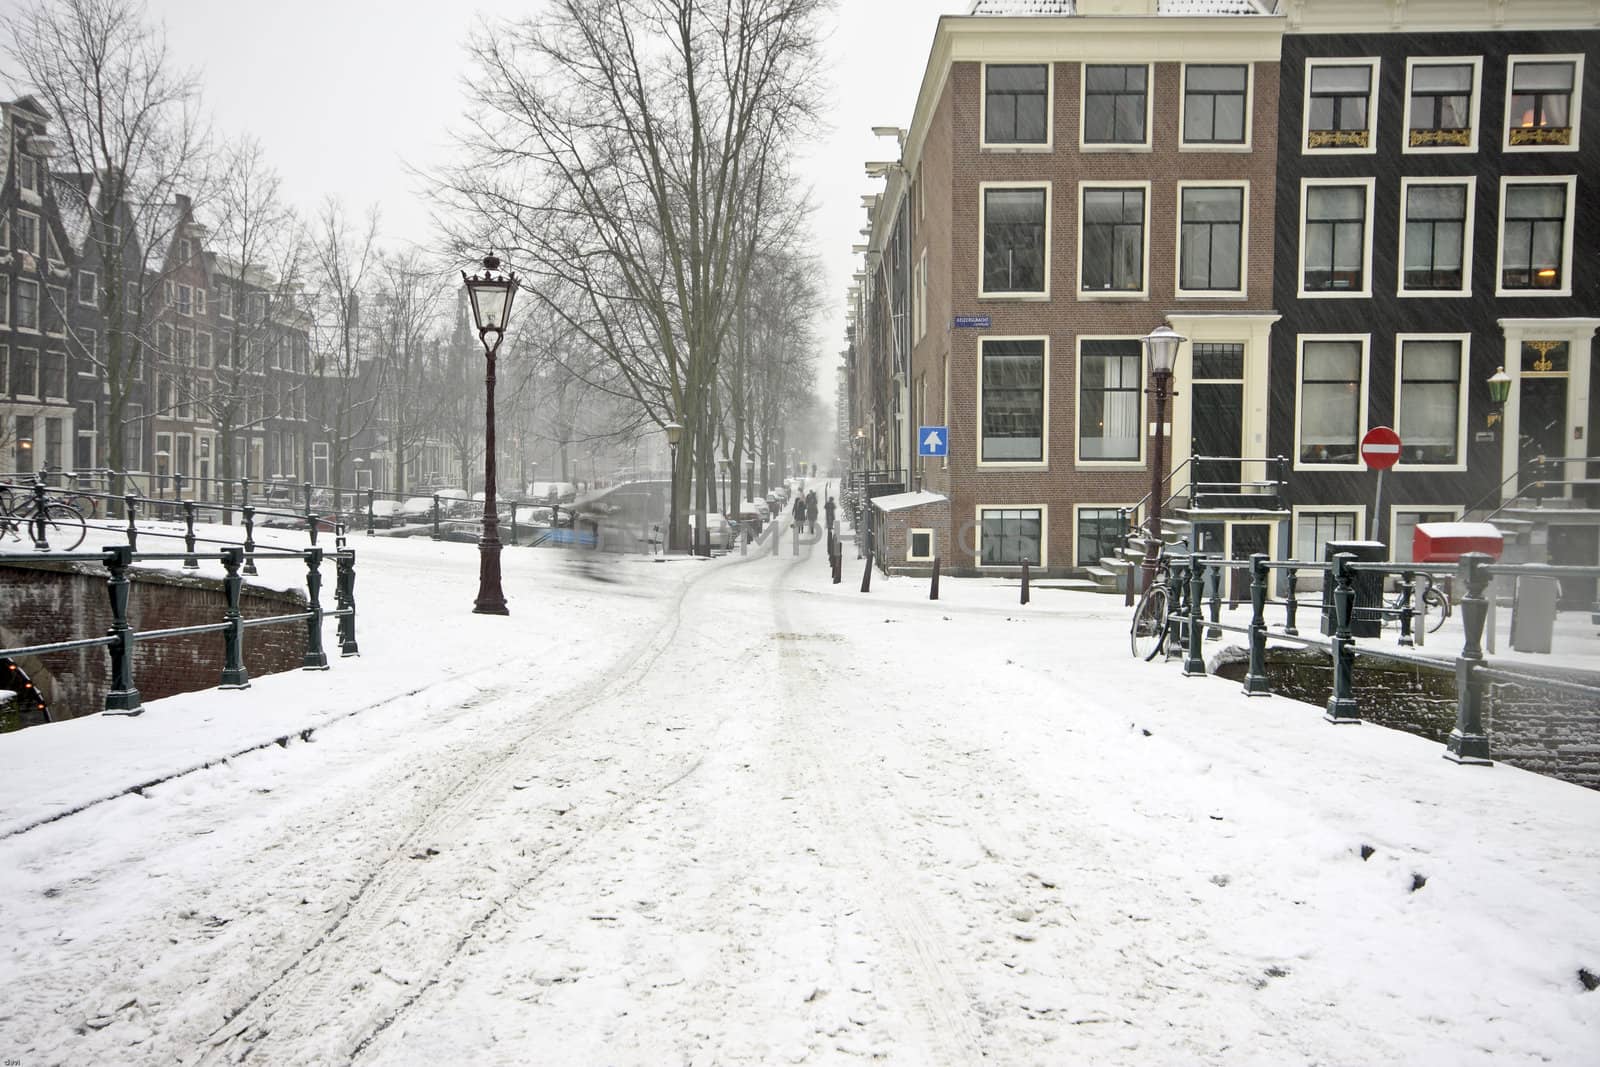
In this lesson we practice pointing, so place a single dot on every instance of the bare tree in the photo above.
(129, 126)
(348, 374)
(405, 323)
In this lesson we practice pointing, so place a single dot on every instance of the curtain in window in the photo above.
(1330, 402)
(1430, 394)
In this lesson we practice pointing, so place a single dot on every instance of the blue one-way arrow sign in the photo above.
(933, 441)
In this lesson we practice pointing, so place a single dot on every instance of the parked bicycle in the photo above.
(20, 515)
(1428, 598)
(1147, 635)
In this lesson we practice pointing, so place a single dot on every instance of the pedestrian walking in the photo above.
(830, 508)
(799, 510)
(811, 509)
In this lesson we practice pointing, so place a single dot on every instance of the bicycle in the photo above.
(64, 527)
(1429, 599)
(1147, 635)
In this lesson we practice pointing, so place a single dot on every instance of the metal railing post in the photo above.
(345, 585)
(315, 659)
(1256, 683)
(1468, 743)
(1342, 702)
(122, 698)
(1408, 588)
(371, 520)
(1194, 659)
(311, 520)
(435, 534)
(249, 514)
(1219, 576)
(234, 675)
(191, 561)
(933, 584)
(37, 524)
(1291, 604)
(131, 504)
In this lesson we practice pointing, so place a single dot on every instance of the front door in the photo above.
(1543, 432)
(1245, 539)
(1216, 413)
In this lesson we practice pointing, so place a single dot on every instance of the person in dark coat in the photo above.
(799, 509)
(830, 508)
(811, 510)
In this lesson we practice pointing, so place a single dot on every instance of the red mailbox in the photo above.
(1447, 542)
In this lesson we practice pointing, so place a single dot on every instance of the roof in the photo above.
(901, 501)
(73, 204)
(1163, 7)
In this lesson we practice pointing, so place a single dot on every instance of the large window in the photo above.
(25, 372)
(28, 232)
(1334, 247)
(1100, 533)
(1013, 400)
(5, 299)
(1434, 238)
(1541, 104)
(1330, 401)
(27, 304)
(1441, 105)
(1110, 378)
(1016, 104)
(1014, 223)
(53, 376)
(1010, 535)
(1534, 237)
(55, 310)
(1115, 104)
(1215, 104)
(1211, 238)
(1428, 408)
(1314, 529)
(1339, 105)
(1113, 240)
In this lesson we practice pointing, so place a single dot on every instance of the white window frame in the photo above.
(38, 307)
(1366, 242)
(1078, 460)
(1043, 461)
(66, 376)
(1476, 63)
(38, 231)
(5, 300)
(922, 296)
(1077, 521)
(1241, 293)
(1468, 236)
(1465, 340)
(1363, 416)
(199, 300)
(933, 544)
(1149, 108)
(1575, 115)
(1143, 292)
(61, 307)
(1044, 536)
(1357, 510)
(38, 371)
(1185, 145)
(93, 280)
(1049, 109)
(1372, 106)
(1508, 180)
(1049, 227)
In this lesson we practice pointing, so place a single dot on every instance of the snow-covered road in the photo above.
(728, 813)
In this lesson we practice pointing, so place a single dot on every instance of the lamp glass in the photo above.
(674, 432)
(491, 294)
(1499, 385)
(1162, 344)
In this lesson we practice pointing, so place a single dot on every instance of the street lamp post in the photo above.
(674, 434)
(491, 295)
(1162, 347)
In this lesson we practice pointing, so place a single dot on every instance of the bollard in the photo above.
(838, 563)
(1219, 576)
(1290, 604)
(37, 524)
(131, 504)
(249, 514)
(1408, 587)
(866, 575)
(796, 539)
(933, 584)
(371, 520)
(234, 675)
(345, 590)
(1194, 659)
(311, 519)
(1024, 580)
(435, 534)
(315, 659)
(177, 486)
(1468, 743)
(1342, 704)
(1255, 683)
(244, 495)
(122, 698)
(191, 561)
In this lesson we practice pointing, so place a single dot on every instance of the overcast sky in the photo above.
(343, 94)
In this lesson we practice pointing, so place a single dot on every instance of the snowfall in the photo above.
(698, 812)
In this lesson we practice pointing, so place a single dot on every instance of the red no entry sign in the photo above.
(1380, 448)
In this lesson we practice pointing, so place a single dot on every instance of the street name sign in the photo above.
(972, 322)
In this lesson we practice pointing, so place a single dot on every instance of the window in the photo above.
(1100, 533)
(1405, 530)
(5, 374)
(88, 288)
(5, 299)
(1331, 401)
(55, 310)
(1215, 104)
(1340, 105)
(185, 300)
(24, 444)
(225, 302)
(1435, 236)
(27, 305)
(164, 341)
(184, 250)
(1113, 240)
(28, 171)
(1115, 105)
(88, 345)
(199, 301)
(52, 250)
(1536, 236)
(1012, 394)
(133, 437)
(1016, 104)
(319, 462)
(25, 372)
(919, 545)
(28, 232)
(168, 294)
(922, 312)
(52, 443)
(1428, 408)
(1007, 536)
(53, 376)
(1014, 240)
(1314, 529)
(1110, 377)
(202, 349)
(1541, 104)
(1333, 245)
(185, 349)
(1210, 238)
(1443, 103)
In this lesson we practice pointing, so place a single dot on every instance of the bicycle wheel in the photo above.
(1149, 630)
(63, 527)
(1438, 606)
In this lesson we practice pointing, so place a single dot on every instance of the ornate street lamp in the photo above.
(1499, 393)
(674, 434)
(491, 293)
(1162, 347)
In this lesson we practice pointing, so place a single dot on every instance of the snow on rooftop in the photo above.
(1163, 7)
(901, 501)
